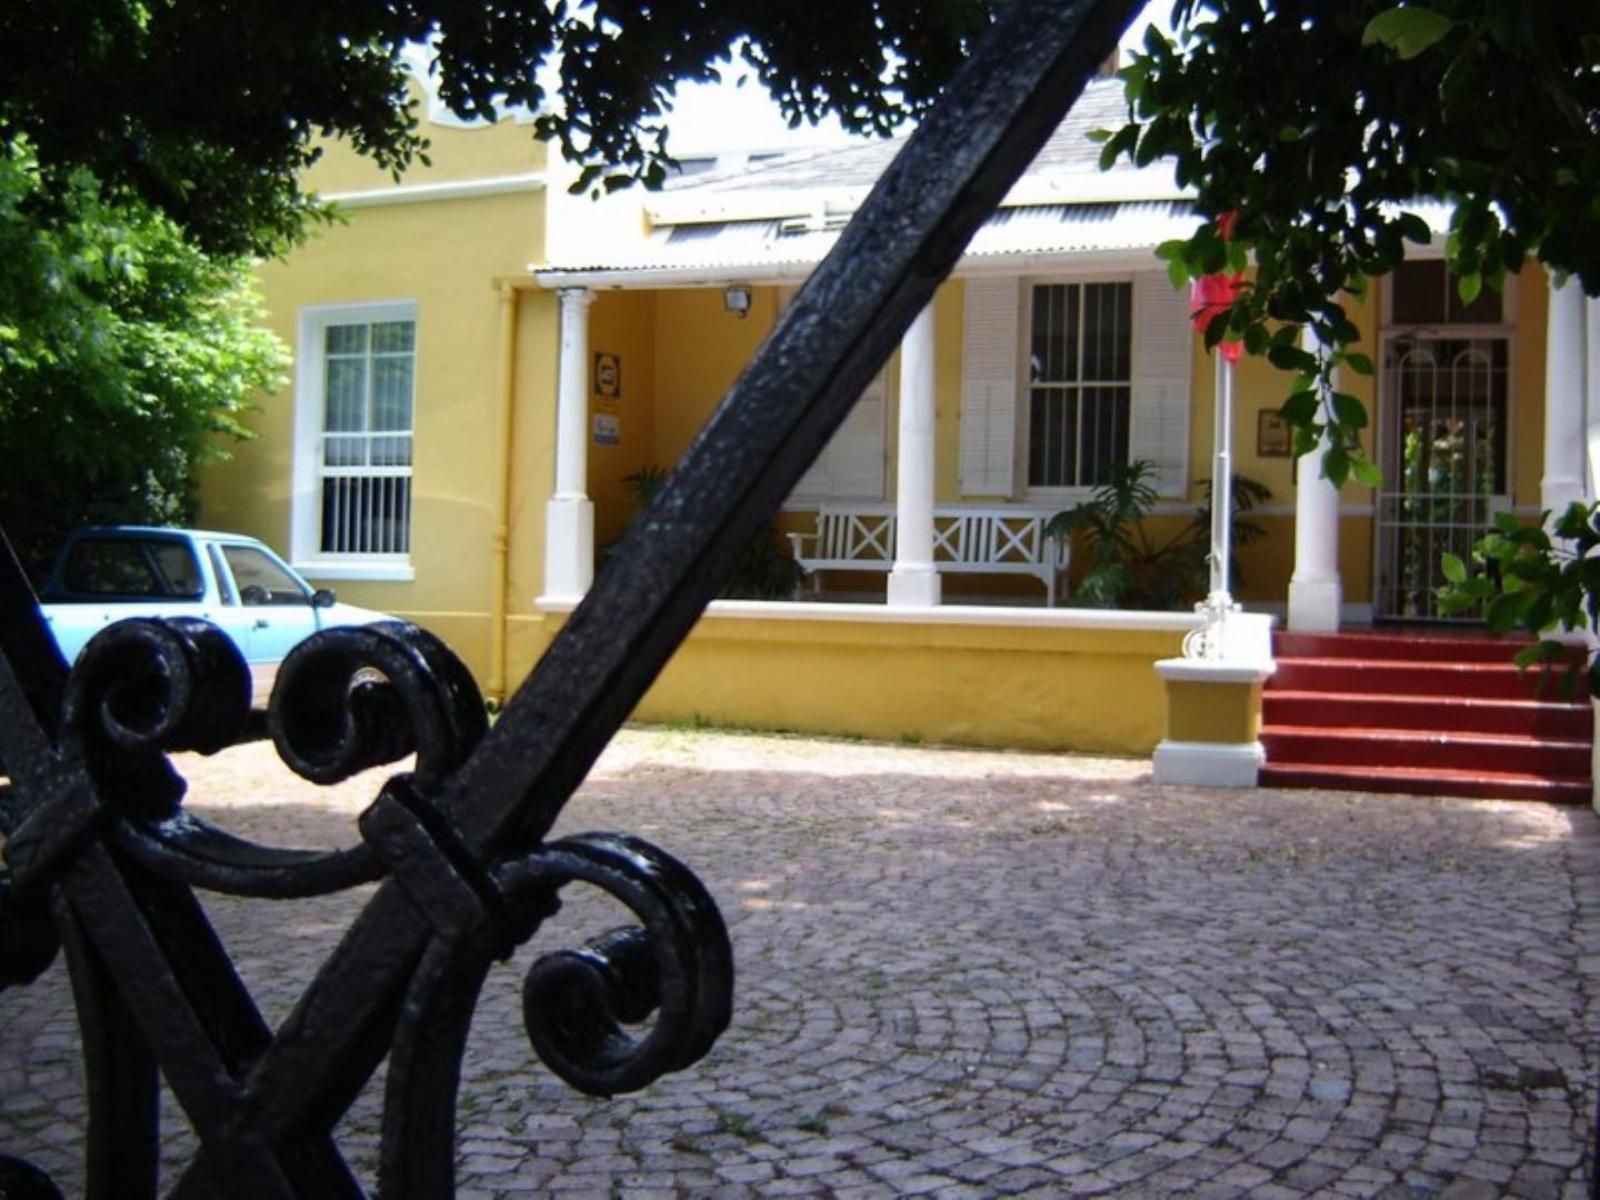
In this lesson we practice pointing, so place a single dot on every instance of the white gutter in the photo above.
(1138, 258)
(458, 189)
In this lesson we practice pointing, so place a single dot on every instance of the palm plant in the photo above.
(1128, 567)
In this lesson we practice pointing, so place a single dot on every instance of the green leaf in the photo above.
(1366, 472)
(1408, 31)
(1291, 358)
(1414, 229)
(1453, 568)
(1348, 410)
(1359, 363)
(1469, 286)
(1300, 408)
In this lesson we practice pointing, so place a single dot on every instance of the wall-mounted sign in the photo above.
(1273, 438)
(608, 376)
(607, 429)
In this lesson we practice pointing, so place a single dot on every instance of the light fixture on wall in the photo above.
(736, 299)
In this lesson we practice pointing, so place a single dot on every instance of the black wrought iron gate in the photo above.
(102, 861)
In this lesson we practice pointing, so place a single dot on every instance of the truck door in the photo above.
(277, 610)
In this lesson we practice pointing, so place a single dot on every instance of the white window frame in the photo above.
(305, 532)
(1058, 494)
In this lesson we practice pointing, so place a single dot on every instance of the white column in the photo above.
(1315, 591)
(915, 580)
(569, 517)
(1222, 482)
(1591, 362)
(1565, 439)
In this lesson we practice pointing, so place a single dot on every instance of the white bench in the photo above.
(977, 540)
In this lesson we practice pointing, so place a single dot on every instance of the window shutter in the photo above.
(1163, 347)
(989, 388)
(850, 466)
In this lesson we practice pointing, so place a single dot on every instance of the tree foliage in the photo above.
(210, 109)
(124, 351)
(1492, 105)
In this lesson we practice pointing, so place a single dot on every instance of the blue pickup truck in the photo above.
(104, 574)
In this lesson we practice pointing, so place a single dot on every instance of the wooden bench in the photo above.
(976, 540)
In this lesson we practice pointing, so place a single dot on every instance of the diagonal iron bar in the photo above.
(838, 333)
(459, 843)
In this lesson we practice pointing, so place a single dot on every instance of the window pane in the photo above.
(346, 391)
(391, 393)
(176, 563)
(1107, 331)
(389, 337)
(1418, 292)
(390, 452)
(260, 579)
(1105, 433)
(1045, 358)
(1485, 310)
(347, 339)
(344, 450)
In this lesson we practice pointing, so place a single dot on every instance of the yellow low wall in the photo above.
(1039, 679)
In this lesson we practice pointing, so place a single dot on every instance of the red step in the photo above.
(1433, 712)
(1483, 785)
(1470, 714)
(1411, 677)
(1424, 644)
(1448, 749)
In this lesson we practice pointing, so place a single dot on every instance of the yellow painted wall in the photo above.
(623, 324)
(1527, 387)
(446, 256)
(455, 153)
(1050, 689)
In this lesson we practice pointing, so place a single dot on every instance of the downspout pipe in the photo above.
(495, 692)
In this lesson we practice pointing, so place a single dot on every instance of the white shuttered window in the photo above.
(1105, 380)
(850, 466)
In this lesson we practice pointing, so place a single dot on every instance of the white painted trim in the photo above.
(948, 614)
(376, 572)
(454, 189)
(305, 503)
(619, 278)
(1202, 670)
(1208, 764)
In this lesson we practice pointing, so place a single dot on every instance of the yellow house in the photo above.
(485, 361)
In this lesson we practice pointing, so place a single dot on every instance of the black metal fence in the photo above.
(102, 862)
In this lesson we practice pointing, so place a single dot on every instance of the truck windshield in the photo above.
(152, 569)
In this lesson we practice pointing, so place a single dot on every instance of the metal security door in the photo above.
(1445, 461)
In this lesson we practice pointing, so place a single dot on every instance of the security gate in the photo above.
(103, 864)
(1445, 464)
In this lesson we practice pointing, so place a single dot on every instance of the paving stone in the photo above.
(974, 974)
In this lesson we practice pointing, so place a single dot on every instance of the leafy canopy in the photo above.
(1321, 124)
(124, 351)
(210, 109)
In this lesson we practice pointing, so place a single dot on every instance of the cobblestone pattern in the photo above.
(967, 974)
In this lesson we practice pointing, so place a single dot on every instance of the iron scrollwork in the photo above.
(100, 823)
(102, 858)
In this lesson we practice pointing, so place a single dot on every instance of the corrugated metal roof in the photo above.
(1102, 105)
(745, 248)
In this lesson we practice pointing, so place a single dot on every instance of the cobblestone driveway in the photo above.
(972, 974)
